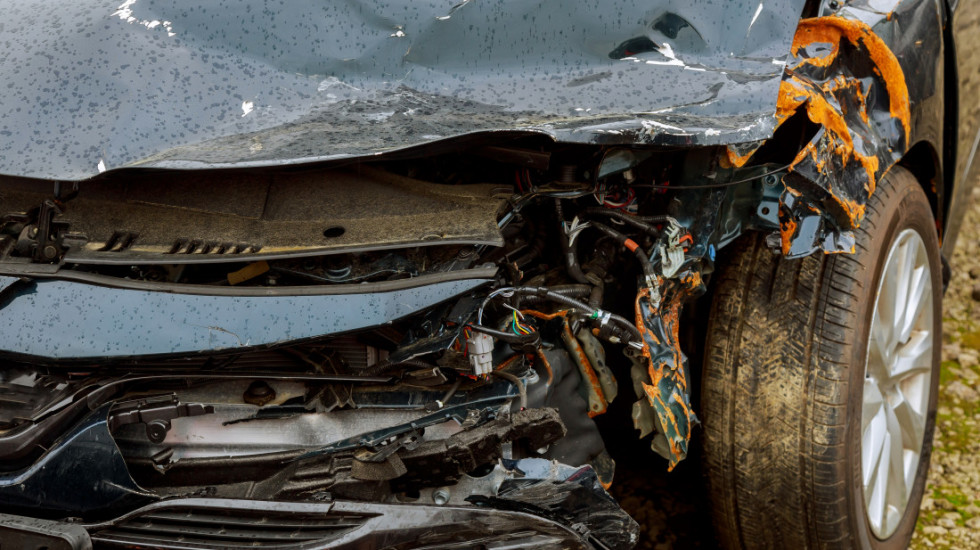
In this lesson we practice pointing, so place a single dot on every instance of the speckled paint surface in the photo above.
(89, 86)
(69, 320)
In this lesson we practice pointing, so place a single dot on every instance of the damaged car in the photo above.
(333, 275)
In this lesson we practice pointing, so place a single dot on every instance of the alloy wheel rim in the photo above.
(897, 383)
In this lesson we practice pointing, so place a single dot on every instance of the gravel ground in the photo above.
(950, 513)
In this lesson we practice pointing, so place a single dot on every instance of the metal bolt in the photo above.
(156, 430)
(568, 173)
(259, 393)
(440, 496)
(770, 180)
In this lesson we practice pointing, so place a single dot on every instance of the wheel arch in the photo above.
(923, 161)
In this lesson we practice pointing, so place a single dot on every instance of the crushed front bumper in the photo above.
(212, 524)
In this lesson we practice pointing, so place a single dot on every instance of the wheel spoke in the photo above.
(901, 282)
(911, 465)
(915, 304)
(910, 423)
(897, 493)
(913, 358)
(873, 443)
(879, 351)
(885, 312)
(872, 403)
(898, 382)
(896, 496)
(876, 494)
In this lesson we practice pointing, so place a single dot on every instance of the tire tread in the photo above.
(775, 388)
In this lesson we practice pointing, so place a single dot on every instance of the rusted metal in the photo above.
(597, 399)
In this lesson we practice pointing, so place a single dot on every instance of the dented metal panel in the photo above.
(93, 87)
(89, 321)
(850, 85)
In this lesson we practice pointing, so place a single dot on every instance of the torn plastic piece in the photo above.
(668, 391)
(575, 496)
(479, 348)
(248, 272)
(804, 229)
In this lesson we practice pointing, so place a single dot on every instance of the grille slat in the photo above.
(217, 528)
(263, 522)
(222, 532)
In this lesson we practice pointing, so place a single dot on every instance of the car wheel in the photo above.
(820, 382)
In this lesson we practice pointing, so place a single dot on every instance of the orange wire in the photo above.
(508, 361)
(545, 316)
(546, 364)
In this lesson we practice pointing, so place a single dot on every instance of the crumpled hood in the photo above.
(90, 86)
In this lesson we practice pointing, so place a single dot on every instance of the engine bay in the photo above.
(428, 337)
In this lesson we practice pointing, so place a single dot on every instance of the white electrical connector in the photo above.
(671, 260)
(672, 255)
(479, 348)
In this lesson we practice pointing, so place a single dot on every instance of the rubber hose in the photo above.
(641, 223)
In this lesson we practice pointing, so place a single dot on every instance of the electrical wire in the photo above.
(518, 326)
(543, 292)
(630, 245)
(712, 185)
(519, 339)
(517, 382)
(436, 405)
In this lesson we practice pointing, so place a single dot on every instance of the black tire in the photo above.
(783, 384)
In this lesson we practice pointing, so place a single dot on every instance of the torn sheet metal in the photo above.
(849, 83)
(666, 388)
(367, 525)
(572, 496)
(234, 83)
